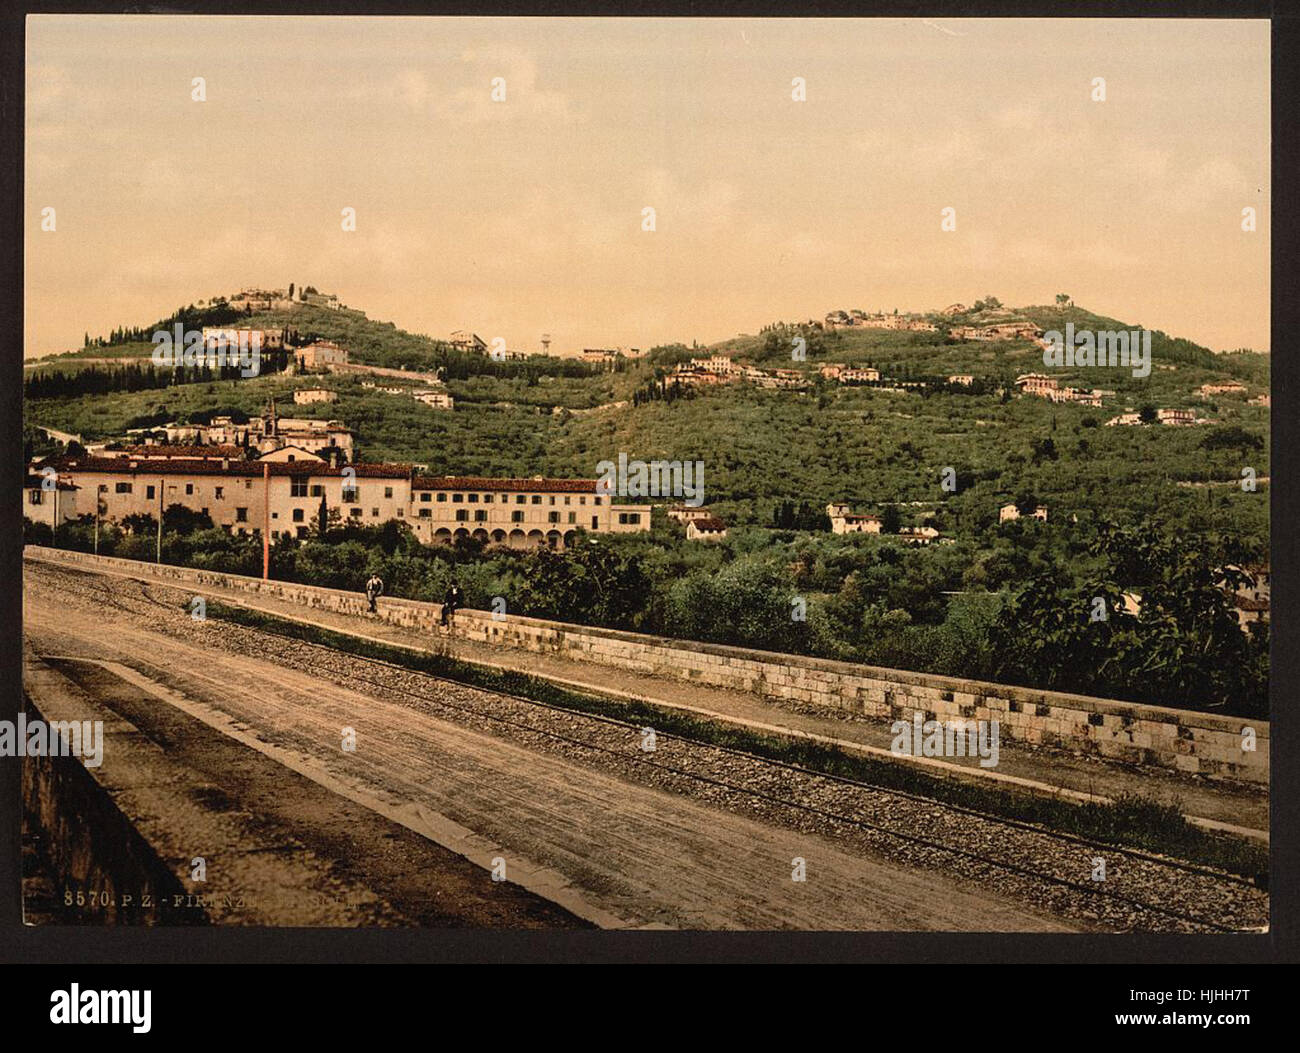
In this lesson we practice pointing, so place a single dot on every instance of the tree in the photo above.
(177, 519)
(291, 290)
(1062, 299)
(1026, 502)
(322, 516)
(1147, 414)
(1232, 437)
(1044, 450)
(890, 520)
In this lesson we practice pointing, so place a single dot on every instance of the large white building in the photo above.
(284, 498)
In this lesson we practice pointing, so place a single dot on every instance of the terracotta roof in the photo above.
(168, 450)
(474, 482)
(709, 523)
(240, 468)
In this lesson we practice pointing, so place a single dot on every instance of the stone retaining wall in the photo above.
(1202, 743)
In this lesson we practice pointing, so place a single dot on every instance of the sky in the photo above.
(520, 217)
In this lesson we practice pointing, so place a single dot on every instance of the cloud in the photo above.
(473, 103)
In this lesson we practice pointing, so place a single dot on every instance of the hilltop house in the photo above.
(307, 396)
(844, 521)
(685, 513)
(710, 528)
(218, 338)
(464, 340)
(1010, 512)
(321, 354)
(435, 399)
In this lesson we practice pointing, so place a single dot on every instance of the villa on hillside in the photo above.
(710, 528)
(320, 354)
(464, 340)
(307, 396)
(1008, 513)
(843, 521)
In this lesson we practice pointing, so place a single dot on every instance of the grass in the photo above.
(1132, 820)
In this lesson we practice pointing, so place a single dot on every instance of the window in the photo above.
(480, 516)
(34, 497)
(388, 491)
(122, 488)
(355, 513)
(516, 517)
(297, 487)
(220, 493)
(248, 484)
(457, 498)
(567, 499)
(401, 512)
(189, 488)
(487, 499)
(297, 515)
(351, 495)
(520, 499)
(317, 490)
(582, 500)
(241, 516)
(374, 513)
(552, 500)
(473, 499)
(425, 513)
(537, 499)
(425, 497)
(552, 517)
(629, 518)
(595, 522)
(148, 492)
(573, 517)
(461, 515)
(595, 500)
(302, 531)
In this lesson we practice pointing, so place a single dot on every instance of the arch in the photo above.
(517, 539)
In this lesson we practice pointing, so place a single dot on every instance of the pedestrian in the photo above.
(374, 589)
(450, 602)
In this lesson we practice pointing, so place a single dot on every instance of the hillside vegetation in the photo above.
(1156, 511)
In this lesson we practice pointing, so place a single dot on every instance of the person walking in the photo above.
(450, 602)
(374, 589)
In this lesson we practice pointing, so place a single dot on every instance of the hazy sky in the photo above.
(521, 217)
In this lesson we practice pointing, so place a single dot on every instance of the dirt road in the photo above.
(612, 851)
